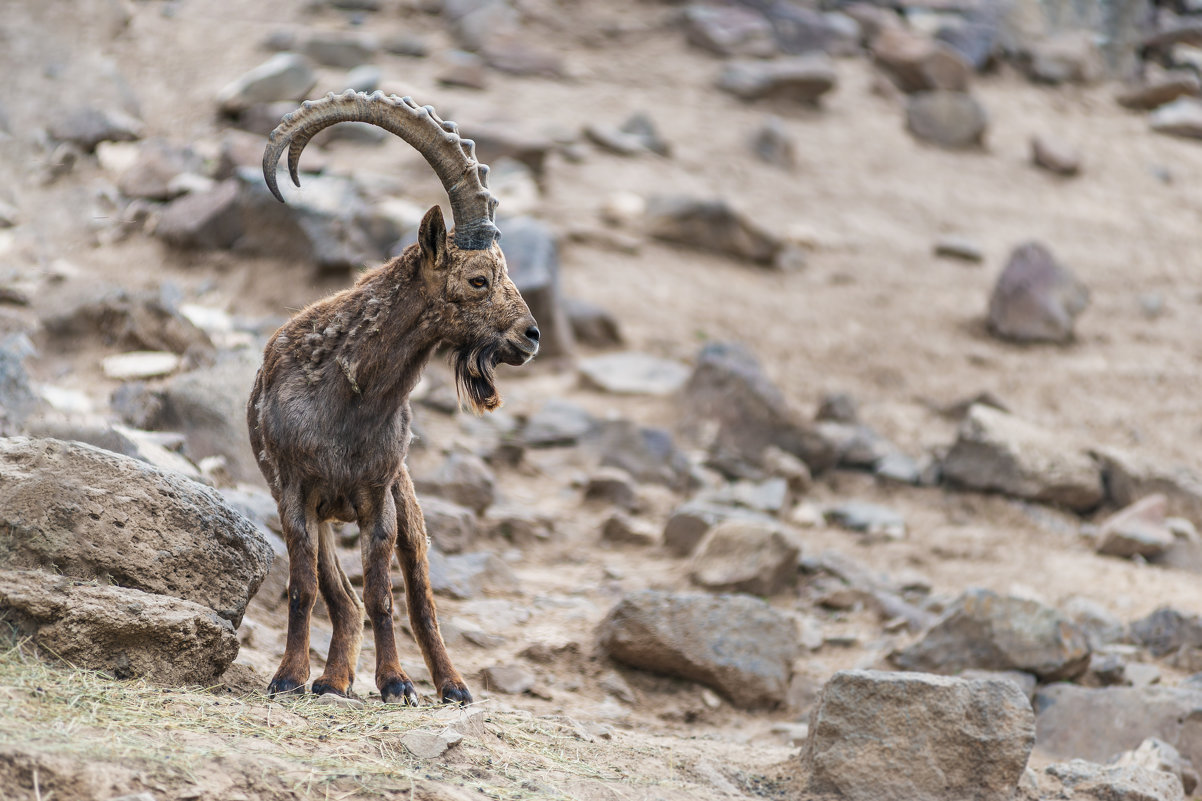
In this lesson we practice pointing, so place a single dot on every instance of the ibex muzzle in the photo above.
(329, 413)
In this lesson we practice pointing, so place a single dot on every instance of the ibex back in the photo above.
(329, 413)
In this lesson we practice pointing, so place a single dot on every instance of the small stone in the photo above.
(625, 530)
(773, 144)
(689, 523)
(205, 220)
(712, 226)
(406, 44)
(1167, 630)
(1182, 117)
(1161, 89)
(1071, 57)
(460, 68)
(1157, 755)
(430, 745)
(86, 127)
(1138, 530)
(470, 575)
(140, 364)
(509, 679)
(739, 556)
(952, 120)
(1036, 299)
(284, 76)
(729, 31)
(364, 78)
(557, 422)
(918, 64)
(333, 699)
(803, 79)
(8, 215)
(647, 454)
(633, 373)
(463, 478)
(591, 324)
(1055, 156)
(958, 247)
(337, 49)
(612, 486)
(838, 407)
(868, 518)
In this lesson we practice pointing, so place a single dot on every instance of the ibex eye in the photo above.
(478, 282)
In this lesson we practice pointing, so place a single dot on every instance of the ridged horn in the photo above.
(452, 157)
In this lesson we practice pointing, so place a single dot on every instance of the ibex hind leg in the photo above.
(346, 616)
(299, 521)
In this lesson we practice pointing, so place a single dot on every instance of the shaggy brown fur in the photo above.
(329, 422)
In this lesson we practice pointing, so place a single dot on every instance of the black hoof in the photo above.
(322, 688)
(456, 694)
(399, 691)
(281, 686)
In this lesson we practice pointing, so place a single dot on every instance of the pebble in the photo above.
(140, 364)
(1055, 156)
(951, 120)
(959, 247)
(430, 745)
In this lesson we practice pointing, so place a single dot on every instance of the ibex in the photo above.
(329, 413)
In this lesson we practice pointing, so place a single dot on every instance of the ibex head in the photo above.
(480, 313)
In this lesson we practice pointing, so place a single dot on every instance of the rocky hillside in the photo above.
(860, 460)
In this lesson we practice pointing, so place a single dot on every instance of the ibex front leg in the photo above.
(298, 517)
(376, 510)
(411, 548)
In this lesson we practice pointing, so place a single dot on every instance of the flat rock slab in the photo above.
(125, 632)
(880, 736)
(1140, 529)
(734, 644)
(990, 632)
(995, 451)
(92, 514)
(634, 373)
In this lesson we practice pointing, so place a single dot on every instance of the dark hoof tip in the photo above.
(456, 695)
(325, 688)
(285, 687)
(399, 691)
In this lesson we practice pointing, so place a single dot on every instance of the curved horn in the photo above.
(453, 158)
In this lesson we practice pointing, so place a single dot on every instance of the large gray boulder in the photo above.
(87, 513)
(997, 452)
(987, 631)
(879, 736)
(734, 644)
(122, 631)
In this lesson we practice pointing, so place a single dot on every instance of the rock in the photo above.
(155, 169)
(625, 530)
(591, 324)
(1182, 117)
(1139, 529)
(208, 406)
(86, 127)
(1158, 756)
(997, 452)
(1130, 477)
(770, 496)
(463, 69)
(736, 645)
(430, 745)
(284, 76)
(728, 385)
(773, 144)
(867, 518)
(464, 479)
(1065, 58)
(799, 29)
(1166, 630)
(838, 407)
(140, 364)
(91, 514)
(611, 486)
(877, 736)
(951, 120)
(406, 44)
(1097, 724)
(710, 225)
(532, 256)
(18, 399)
(647, 454)
(1158, 90)
(729, 31)
(690, 522)
(131, 321)
(474, 24)
(1100, 626)
(633, 373)
(1116, 782)
(1036, 299)
(9, 215)
(750, 557)
(958, 247)
(557, 422)
(1023, 681)
(522, 55)
(976, 38)
(337, 49)
(1055, 156)
(519, 525)
(918, 64)
(452, 528)
(470, 575)
(495, 142)
(508, 679)
(987, 631)
(209, 220)
(803, 80)
(122, 631)
(644, 130)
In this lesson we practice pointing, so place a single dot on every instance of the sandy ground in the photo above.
(873, 312)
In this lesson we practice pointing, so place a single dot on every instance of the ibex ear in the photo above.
(432, 237)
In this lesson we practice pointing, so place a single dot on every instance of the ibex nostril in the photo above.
(532, 333)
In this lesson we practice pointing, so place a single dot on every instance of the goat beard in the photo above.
(475, 377)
